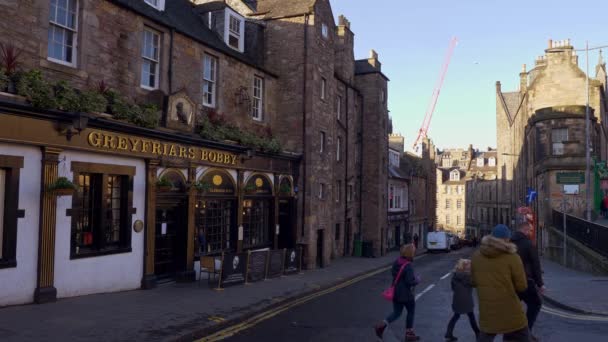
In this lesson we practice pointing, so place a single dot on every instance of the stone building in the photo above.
(453, 165)
(541, 134)
(482, 205)
(398, 194)
(247, 123)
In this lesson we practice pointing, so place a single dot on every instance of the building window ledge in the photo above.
(65, 68)
(92, 254)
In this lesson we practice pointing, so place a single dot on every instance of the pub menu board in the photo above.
(257, 266)
(275, 266)
(234, 267)
(292, 261)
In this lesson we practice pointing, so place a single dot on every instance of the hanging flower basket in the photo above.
(62, 187)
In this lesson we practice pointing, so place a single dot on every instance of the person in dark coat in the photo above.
(462, 300)
(529, 257)
(416, 240)
(404, 293)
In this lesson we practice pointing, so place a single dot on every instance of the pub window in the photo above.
(257, 209)
(216, 213)
(209, 80)
(101, 212)
(150, 59)
(9, 201)
(63, 30)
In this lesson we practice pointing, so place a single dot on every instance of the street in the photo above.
(348, 314)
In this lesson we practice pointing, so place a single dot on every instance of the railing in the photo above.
(592, 235)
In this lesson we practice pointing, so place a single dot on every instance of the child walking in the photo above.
(462, 300)
(404, 293)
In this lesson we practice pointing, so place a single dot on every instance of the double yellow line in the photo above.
(257, 319)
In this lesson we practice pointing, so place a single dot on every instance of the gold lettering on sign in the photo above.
(95, 139)
(133, 144)
(122, 143)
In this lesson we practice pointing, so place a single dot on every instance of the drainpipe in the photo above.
(346, 168)
(304, 131)
(360, 135)
(171, 62)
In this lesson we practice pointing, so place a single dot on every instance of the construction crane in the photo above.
(431, 108)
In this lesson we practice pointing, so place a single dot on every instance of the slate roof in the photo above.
(270, 9)
(181, 16)
(362, 67)
(395, 172)
(511, 103)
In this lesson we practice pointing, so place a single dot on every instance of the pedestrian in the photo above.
(536, 287)
(416, 240)
(462, 299)
(498, 274)
(404, 293)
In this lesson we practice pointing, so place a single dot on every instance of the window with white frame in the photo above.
(63, 30)
(322, 142)
(258, 98)
(558, 136)
(323, 88)
(459, 204)
(339, 107)
(480, 162)
(338, 149)
(209, 80)
(150, 59)
(158, 4)
(391, 195)
(325, 30)
(448, 189)
(455, 175)
(492, 162)
(460, 189)
(321, 190)
(448, 204)
(234, 31)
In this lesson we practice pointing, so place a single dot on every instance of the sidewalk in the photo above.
(573, 290)
(169, 311)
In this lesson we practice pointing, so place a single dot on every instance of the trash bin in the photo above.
(368, 249)
(358, 247)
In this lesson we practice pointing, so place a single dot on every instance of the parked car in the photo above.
(438, 241)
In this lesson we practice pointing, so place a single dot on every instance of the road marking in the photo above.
(445, 276)
(578, 317)
(425, 291)
(255, 320)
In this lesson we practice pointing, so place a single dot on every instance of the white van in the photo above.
(438, 241)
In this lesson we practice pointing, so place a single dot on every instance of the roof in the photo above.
(445, 175)
(181, 16)
(362, 67)
(270, 9)
(211, 6)
(511, 102)
(395, 172)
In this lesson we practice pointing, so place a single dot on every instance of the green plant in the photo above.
(36, 90)
(10, 58)
(202, 186)
(66, 97)
(62, 183)
(163, 182)
(145, 116)
(92, 101)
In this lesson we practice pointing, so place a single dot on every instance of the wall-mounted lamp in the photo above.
(79, 123)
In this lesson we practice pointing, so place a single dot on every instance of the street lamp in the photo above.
(587, 133)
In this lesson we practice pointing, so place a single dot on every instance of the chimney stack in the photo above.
(498, 87)
(373, 59)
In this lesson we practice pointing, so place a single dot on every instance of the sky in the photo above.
(495, 39)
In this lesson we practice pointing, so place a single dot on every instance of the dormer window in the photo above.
(234, 33)
(455, 175)
(158, 4)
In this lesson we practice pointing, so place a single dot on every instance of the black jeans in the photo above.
(398, 309)
(455, 319)
(533, 302)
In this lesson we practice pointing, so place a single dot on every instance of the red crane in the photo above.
(431, 108)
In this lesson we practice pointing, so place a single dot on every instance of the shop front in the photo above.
(112, 207)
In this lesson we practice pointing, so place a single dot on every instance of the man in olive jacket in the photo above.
(536, 286)
(498, 274)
